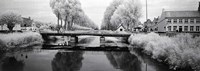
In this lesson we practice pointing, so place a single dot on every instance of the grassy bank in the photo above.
(179, 51)
(13, 40)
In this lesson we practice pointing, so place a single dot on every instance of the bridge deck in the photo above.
(82, 34)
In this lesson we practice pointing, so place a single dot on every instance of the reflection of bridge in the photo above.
(75, 34)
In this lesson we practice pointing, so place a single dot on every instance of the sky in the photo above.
(39, 10)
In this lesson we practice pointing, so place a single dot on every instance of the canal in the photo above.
(36, 59)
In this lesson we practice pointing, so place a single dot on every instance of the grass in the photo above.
(179, 51)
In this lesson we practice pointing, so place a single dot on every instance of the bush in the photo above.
(25, 39)
(179, 51)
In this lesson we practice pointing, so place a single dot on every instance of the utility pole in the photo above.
(146, 11)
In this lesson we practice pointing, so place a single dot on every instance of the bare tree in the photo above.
(10, 19)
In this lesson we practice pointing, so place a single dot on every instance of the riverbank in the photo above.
(18, 39)
(179, 51)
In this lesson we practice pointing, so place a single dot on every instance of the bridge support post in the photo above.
(102, 39)
(126, 38)
(76, 39)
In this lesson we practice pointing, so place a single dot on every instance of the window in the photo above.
(169, 21)
(174, 28)
(197, 28)
(121, 29)
(175, 20)
(198, 21)
(186, 20)
(185, 28)
(156, 29)
(191, 20)
(180, 20)
(169, 28)
(180, 28)
(191, 28)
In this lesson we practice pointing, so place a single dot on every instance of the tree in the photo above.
(70, 12)
(106, 25)
(125, 12)
(10, 19)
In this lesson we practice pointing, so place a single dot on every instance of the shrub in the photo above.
(179, 51)
(25, 39)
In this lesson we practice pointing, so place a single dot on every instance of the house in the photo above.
(27, 24)
(148, 24)
(179, 21)
(121, 28)
(139, 28)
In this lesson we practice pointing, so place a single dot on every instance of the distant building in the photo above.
(26, 25)
(147, 25)
(154, 23)
(121, 28)
(179, 21)
(139, 28)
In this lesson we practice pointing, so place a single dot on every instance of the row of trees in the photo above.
(125, 12)
(10, 19)
(70, 12)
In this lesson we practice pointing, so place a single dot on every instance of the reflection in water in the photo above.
(124, 61)
(67, 61)
(12, 64)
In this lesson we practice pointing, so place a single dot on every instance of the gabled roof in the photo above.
(168, 14)
(120, 26)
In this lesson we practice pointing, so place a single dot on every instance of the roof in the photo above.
(183, 14)
(120, 26)
(27, 22)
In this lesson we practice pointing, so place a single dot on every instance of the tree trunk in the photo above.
(65, 24)
(68, 26)
(1, 27)
(58, 27)
(61, 23)
(10, 26)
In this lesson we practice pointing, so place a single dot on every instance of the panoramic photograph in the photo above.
(99, 35)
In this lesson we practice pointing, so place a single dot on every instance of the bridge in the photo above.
(75, 34)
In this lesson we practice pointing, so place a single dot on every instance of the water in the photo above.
(67, 60)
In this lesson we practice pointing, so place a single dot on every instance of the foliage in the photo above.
(10, 19)
(106, 24)
(71, 12)
(126, 12)
(67, 61)
(13, 40)
(179, 51)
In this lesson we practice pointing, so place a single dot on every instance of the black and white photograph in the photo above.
(99, 35)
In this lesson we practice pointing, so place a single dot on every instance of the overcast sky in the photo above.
(40, 10)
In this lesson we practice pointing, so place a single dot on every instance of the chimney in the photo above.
(163, 10)
(199, 7)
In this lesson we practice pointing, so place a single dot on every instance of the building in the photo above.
(121, 28)
(27, 24)
(154, 23)
(139, 28)
(179, 21)
(147, 25)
